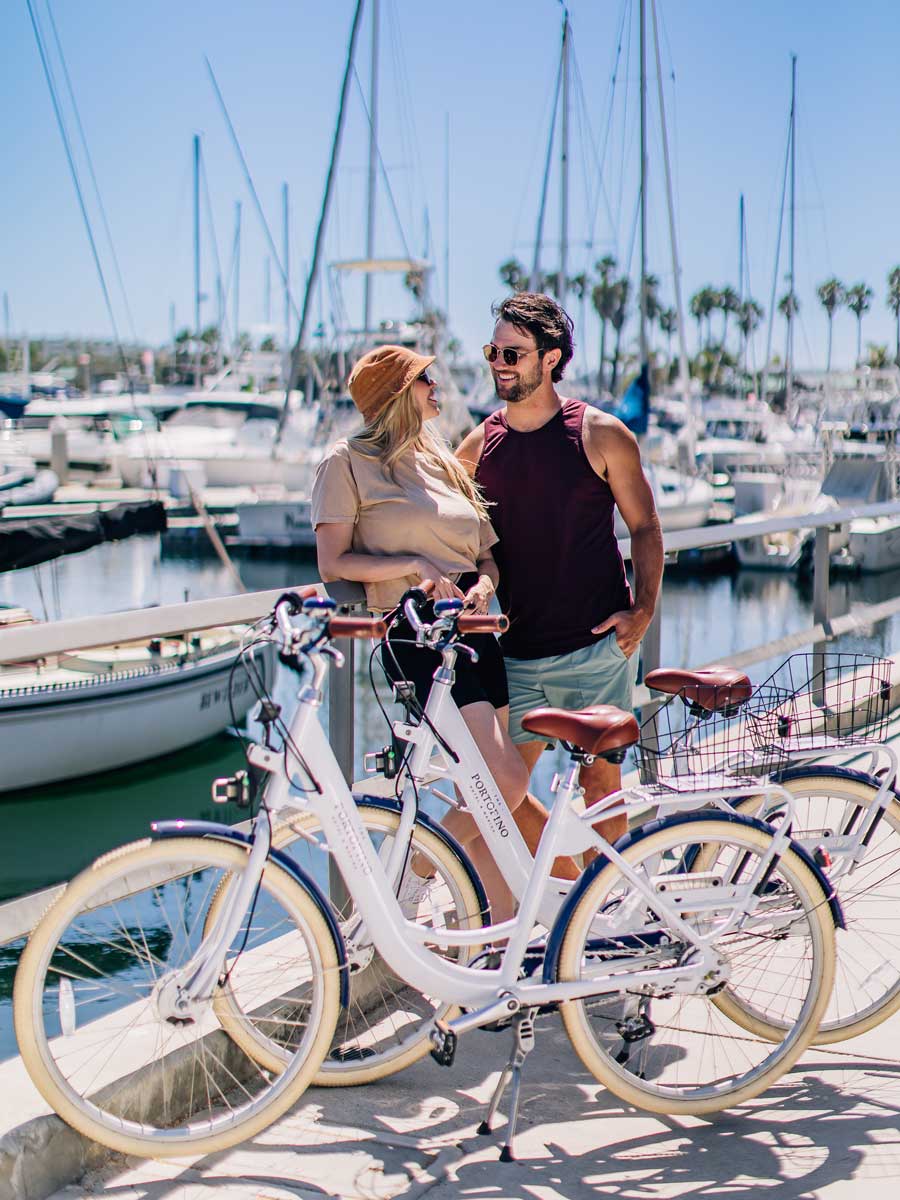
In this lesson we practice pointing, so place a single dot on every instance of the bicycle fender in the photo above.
(441, 833)
(226, 833)
(830, 772)
(554, 941)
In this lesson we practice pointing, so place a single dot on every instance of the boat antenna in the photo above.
(73, 170)
(789, 346)
(313, 275)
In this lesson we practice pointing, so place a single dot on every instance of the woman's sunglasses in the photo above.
(425, 378)
(510, 356)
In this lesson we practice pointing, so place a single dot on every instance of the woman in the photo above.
(391, 508)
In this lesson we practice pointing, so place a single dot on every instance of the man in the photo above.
(553, 471)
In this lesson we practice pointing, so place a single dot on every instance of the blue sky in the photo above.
(487, 69)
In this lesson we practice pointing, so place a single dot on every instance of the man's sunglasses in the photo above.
(510, 356)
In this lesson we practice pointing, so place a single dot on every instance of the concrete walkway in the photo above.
(829, 1129)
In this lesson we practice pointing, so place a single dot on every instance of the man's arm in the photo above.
(469, 449)
(612, 451)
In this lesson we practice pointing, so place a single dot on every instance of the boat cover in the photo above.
(29, 541)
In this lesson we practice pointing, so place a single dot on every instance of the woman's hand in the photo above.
(478, 597)
(444, 588)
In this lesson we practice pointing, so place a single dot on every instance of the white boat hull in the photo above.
(54, 732)
(873, 544)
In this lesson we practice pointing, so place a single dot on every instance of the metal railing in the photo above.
(29, 642)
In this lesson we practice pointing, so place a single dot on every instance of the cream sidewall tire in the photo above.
(863, 793)
(33, 963)
(619, 1082)
(249, 1038)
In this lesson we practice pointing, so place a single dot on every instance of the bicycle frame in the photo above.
(403, 944)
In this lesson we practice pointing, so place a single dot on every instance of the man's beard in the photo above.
(522, 389)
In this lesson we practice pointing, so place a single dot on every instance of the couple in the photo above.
(524, 509)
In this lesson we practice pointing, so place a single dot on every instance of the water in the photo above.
(51, 833)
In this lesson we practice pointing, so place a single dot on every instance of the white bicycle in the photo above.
(125, 986)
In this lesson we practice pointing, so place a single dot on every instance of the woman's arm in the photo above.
(338, 561)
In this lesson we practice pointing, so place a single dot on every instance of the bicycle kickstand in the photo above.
(523, 1044)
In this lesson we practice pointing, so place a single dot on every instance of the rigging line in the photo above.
(523, 192)
(534, 281)
(252, 189)
(383, 168)
(48, 74)
(613, 83)
(627, 88)
(408, 125)
(220, 298)
(598, 156)
(90, 165)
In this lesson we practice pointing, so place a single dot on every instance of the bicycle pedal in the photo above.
(443, 1045)
(635, 1029)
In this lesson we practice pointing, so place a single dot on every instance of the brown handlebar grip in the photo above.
(357, 627)
(482, 623)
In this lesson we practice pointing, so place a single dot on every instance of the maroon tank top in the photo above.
(560, 568)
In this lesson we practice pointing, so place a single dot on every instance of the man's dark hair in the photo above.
(547, 322)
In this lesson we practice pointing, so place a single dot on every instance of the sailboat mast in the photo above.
(563, 277)
(789, 349)
(197, 329)
(743, 355)
(286, 255)
(237, 274)
(373, 170)
(642, 285)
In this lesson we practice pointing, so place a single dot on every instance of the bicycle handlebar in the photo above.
(482, 623)
(357, 627)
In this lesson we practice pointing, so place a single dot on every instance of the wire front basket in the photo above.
(822, 702)
(716, 751)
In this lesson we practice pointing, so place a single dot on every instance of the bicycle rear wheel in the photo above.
(93, 1019)
(385, 1026)
(867, 978)
(679, 1053)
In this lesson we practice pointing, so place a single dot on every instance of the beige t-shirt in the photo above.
(423, 514)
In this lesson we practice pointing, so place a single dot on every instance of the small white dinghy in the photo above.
(76, 714)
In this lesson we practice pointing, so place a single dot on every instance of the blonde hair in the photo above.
(399, 427)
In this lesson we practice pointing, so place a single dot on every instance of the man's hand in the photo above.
(628, 627)
(478, 597)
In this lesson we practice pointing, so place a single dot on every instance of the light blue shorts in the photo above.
(596, 674)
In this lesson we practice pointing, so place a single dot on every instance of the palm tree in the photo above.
(729, 302)
(668, 323)
(749, 315)
(877, 356)
(702, 304)
(514, 275)
(859, 301)
(603, 299)
(831, 295)
(621, 292)
(893, 302)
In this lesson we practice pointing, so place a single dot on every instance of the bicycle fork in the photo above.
(181, 996)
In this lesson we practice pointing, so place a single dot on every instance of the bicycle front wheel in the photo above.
(679, 1053)
(828, 807)
(93, 1012)
(385, 1026)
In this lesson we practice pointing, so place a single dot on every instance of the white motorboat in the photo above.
(682, 501)
(227, 439)
(77, 714)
